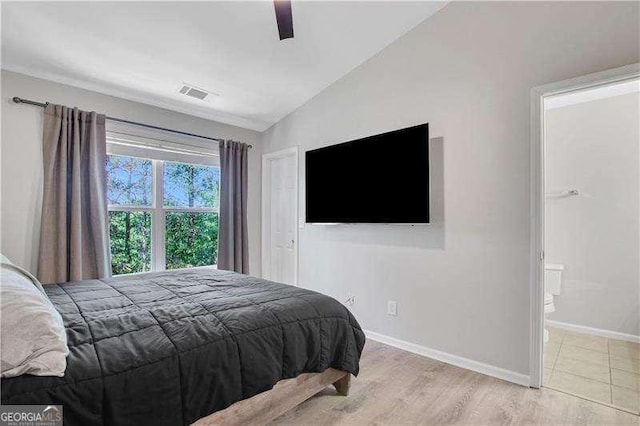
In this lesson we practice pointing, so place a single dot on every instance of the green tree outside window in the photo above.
(189, 208)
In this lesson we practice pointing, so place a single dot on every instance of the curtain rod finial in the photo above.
(17, 99)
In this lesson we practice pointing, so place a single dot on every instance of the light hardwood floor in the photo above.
(398, 387)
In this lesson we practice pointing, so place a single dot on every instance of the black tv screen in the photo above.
(378, 179)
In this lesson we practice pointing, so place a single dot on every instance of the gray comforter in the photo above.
(171, 347)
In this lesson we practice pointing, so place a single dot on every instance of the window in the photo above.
(191, 214)
(162, 214)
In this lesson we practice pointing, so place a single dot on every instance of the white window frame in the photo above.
(134, 148)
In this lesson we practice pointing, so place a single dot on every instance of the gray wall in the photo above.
(595, 148)
(21, 157)
(462, 284)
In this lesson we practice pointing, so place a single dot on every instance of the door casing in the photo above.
(537, 201)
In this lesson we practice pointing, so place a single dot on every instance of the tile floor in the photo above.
(596, 368)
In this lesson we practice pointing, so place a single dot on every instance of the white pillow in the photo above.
(32, 335)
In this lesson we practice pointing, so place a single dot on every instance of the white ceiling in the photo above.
(144, 51)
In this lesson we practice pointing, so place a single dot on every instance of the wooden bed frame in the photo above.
(284, 396)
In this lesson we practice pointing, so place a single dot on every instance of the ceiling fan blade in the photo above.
(284, 17)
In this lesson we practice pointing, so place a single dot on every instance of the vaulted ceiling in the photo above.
(145, 51)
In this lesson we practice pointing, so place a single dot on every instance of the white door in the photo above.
(280, 216)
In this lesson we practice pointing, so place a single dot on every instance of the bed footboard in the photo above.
(284, 396)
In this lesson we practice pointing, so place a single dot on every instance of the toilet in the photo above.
(552, 287)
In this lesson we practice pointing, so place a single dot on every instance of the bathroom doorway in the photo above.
(586, 237)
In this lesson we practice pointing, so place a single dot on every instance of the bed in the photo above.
(174, 347)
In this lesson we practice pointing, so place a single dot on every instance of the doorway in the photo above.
(280, 216)
(585, 201)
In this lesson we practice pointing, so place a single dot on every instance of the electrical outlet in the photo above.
(392, 308)
(351, 300)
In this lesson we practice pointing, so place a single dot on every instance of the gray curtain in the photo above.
(233, 250)
(74, 238)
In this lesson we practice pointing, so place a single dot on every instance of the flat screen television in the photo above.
(378, 179)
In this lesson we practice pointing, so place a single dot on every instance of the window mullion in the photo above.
(158, 237)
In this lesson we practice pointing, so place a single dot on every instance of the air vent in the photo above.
(189, 90)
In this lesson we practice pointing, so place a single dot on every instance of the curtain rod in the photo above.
(120, 120)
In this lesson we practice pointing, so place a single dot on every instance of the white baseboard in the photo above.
(458, 361)
(594, 331)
